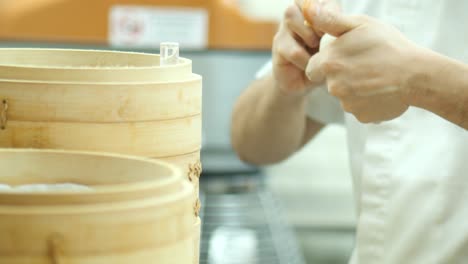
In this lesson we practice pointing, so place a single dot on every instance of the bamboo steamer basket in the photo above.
(150, 139)
(192, 170)
(154, 120)
(182, 160)
(88, 66)
(139, 210)
(102, 101)
(158, 120)
(59, 163)
(196, 240)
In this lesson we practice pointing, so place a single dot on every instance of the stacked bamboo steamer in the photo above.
(118, 102)
(136, 210)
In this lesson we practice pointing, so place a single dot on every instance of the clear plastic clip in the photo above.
(169, 53)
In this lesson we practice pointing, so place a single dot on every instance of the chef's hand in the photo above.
(293, 46)
(364, 67)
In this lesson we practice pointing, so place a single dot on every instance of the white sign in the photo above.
(146, 27)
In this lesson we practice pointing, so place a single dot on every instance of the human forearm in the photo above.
(269, 120)
(268, 125)
(440, 85)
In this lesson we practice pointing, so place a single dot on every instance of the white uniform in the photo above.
(410, 174)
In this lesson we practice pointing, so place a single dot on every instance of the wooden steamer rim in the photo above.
(138, 186)
(137, 218)
(184, 191)
(87, 66)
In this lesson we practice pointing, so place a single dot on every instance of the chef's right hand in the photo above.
(293, 46)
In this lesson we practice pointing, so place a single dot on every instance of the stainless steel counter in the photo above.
(243, 223)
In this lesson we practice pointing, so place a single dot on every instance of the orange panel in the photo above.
(86, 21)
(230, 29)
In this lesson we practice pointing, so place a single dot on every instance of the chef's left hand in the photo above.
(366, 67)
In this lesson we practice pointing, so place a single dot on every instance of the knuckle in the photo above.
(336, 90)
(365, 119)
(276, 39)
(296, 54)
(341, 90)
(278, 43)
(325, 66)
(332, 89)
(347, 107)
(288, 22)
(311, 38)
(279, 50)
(290, 13)
(329, 66)
(329, 18)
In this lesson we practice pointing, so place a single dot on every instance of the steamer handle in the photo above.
(3, 114)
(55, 249)
(197, 207)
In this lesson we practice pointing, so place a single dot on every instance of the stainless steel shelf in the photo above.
(246, 228)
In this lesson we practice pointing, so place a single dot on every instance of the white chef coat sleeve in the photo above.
(321, 106)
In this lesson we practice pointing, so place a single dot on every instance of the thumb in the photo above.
(330, 21)
(314, 71)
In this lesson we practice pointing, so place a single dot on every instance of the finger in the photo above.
(314, 72)
(295, 23)
(299, 3)
(291, 51)
(331, 5)
(305, 5)
(326, 41)
(330, 21)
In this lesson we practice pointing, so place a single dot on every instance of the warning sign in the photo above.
(146, 27)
